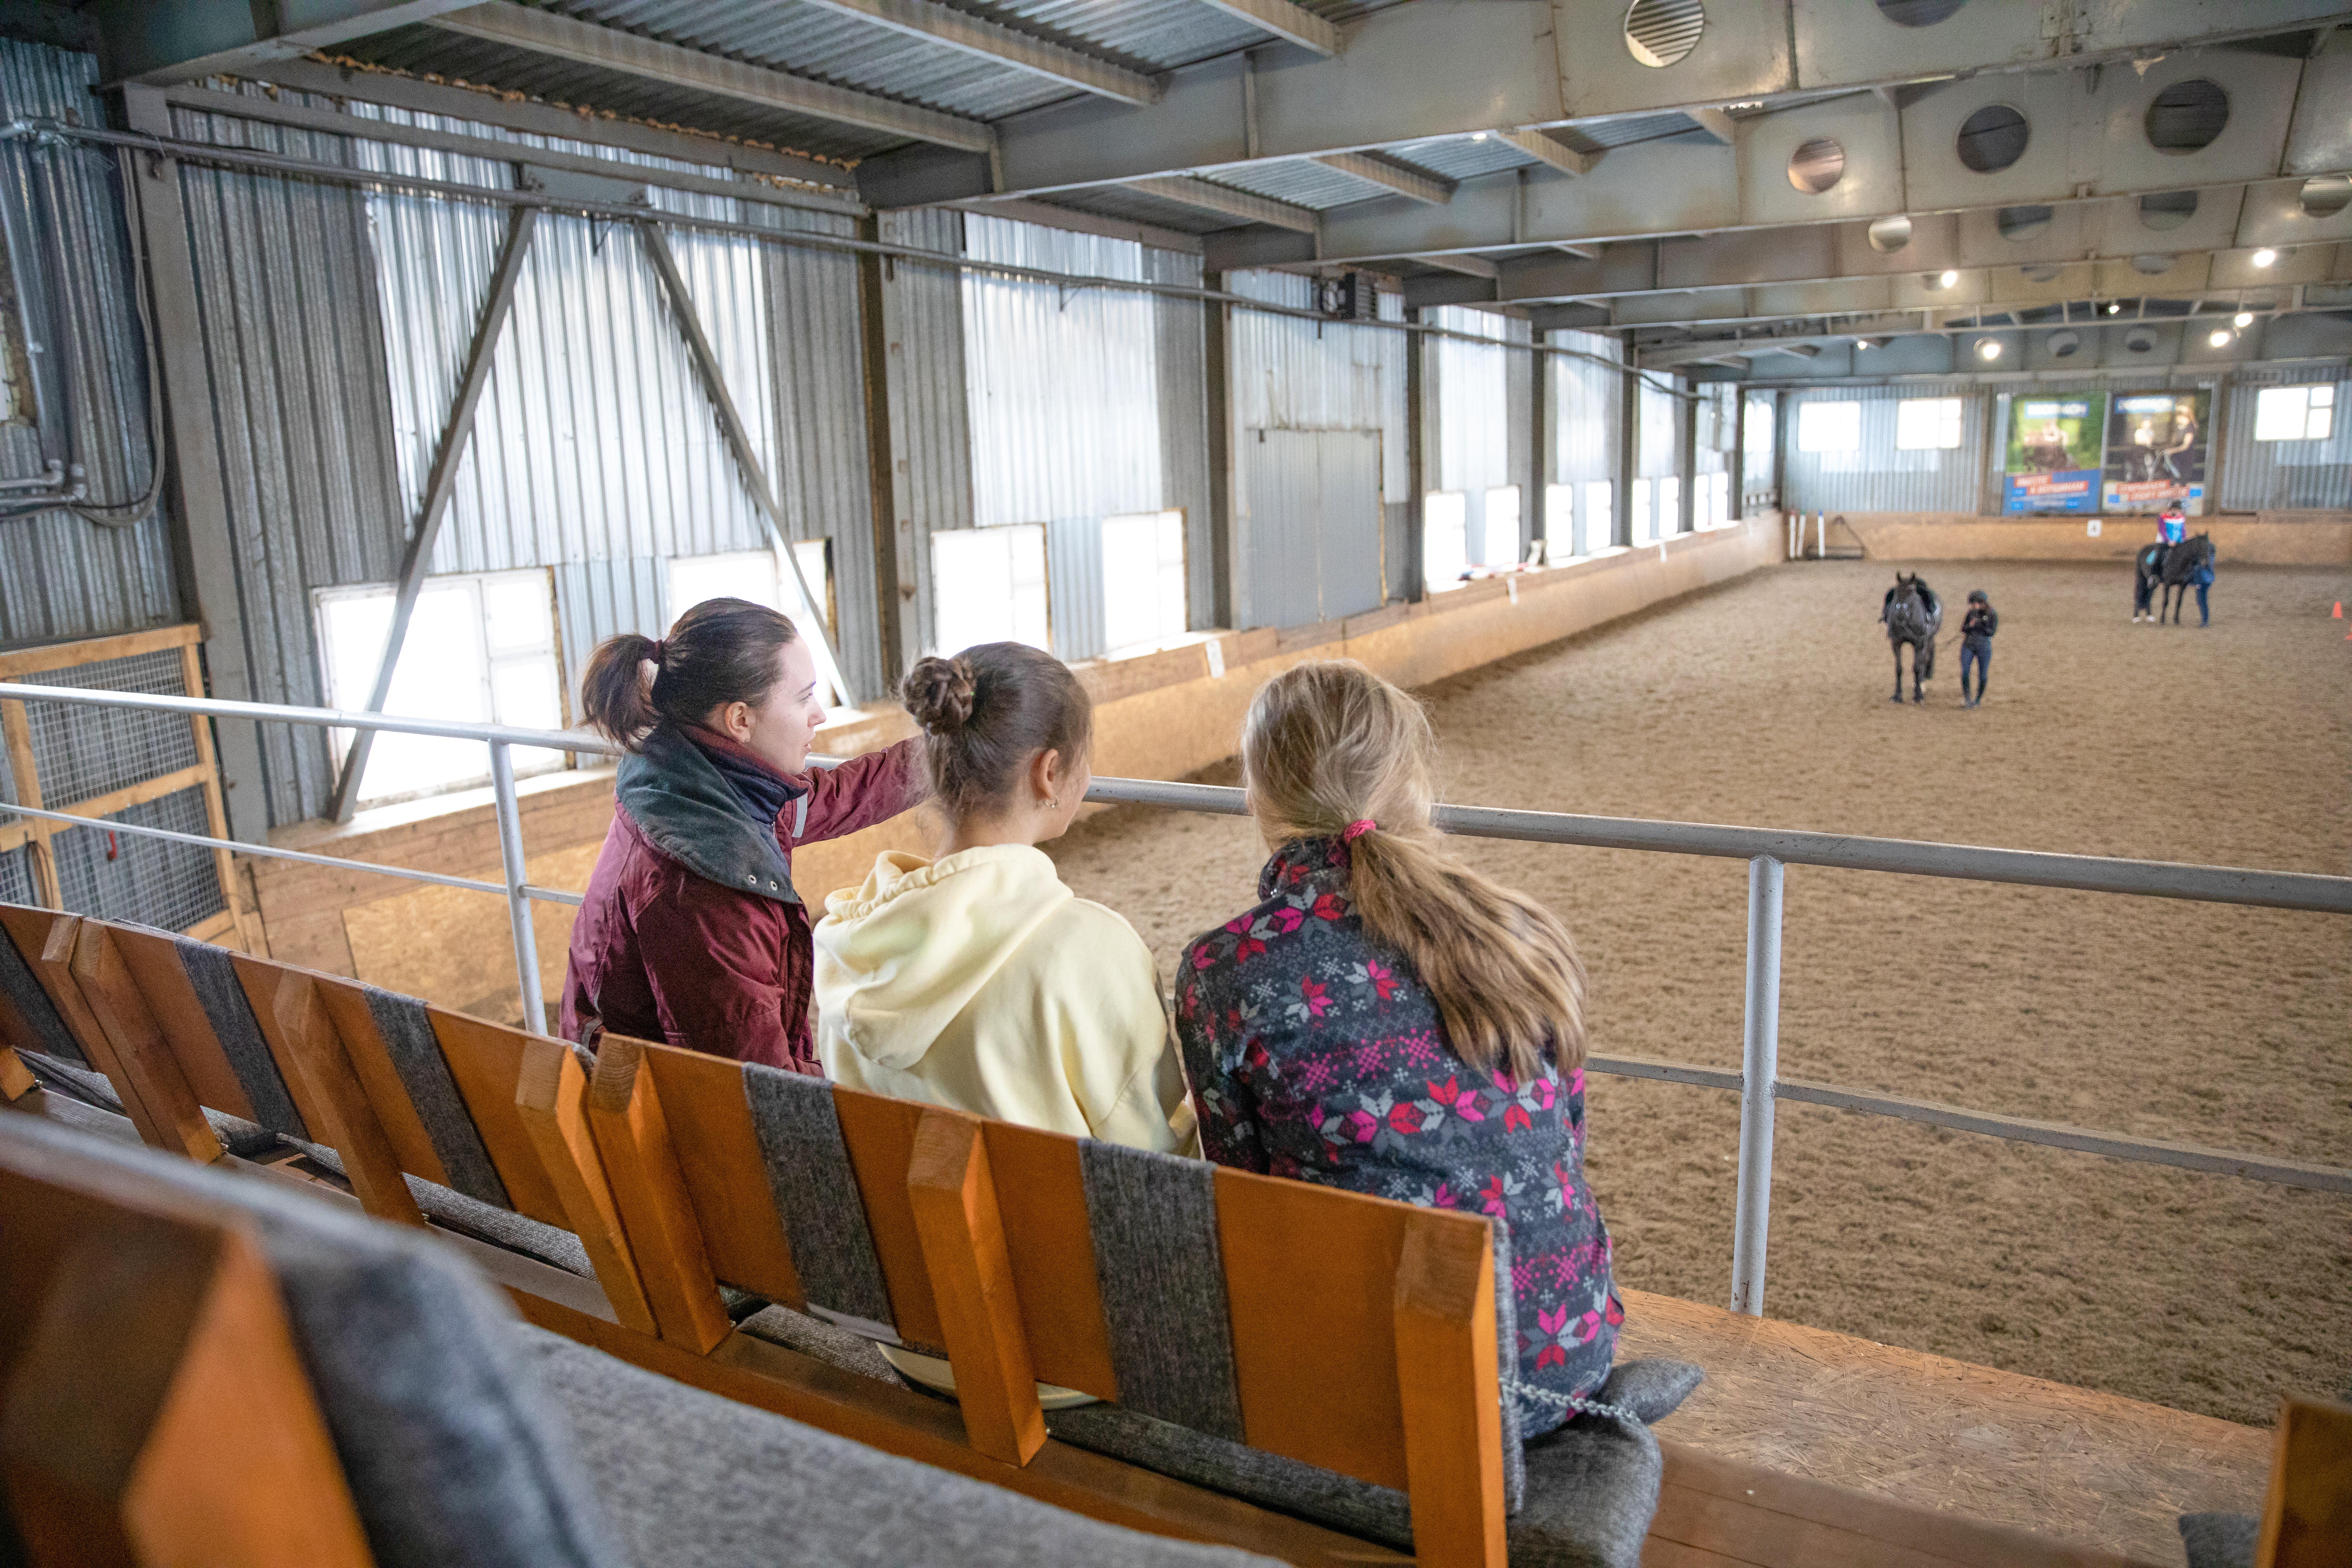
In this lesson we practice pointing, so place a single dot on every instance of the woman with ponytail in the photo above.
(1387, 1020)
(692, 932)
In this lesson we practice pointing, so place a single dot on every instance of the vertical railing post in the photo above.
(526, 942)
(1759, 1066)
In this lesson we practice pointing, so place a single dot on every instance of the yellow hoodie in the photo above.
(980, 981)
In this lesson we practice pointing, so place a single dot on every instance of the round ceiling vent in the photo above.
(2187, 116)
(1918, 13)
(1993, 138)
(1817, 164)
(2325, 196)
(2064, 345)
(1660, 32)
(2140, 340)
(2167, 209)
(2043, 273)
(2151, 266)
(1888, 235)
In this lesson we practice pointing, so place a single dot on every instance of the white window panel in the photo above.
(1646, 522)
(1600, 515)
(1143, 578)
(1828, 428)
(759, 576)
(988, 584)
(2294, 413)
(480, 649)
(1502, 541)
(1925, 424)
(1670, 506)
(1444, 538)
(1560, 523)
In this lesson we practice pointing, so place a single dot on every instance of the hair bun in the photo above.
(939, 693)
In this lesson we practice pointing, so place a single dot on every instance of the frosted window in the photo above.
(1600, 515)
(1670, 506)
(1560, 523)
(1646, 522)
(1828, 428)
(480, 649)
(1143, 578)
(1922, 424)
(759, 576)
(2294, 413)
(1444, 538)
(988, 584)
(1503, 526)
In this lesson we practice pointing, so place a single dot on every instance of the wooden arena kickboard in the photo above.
(2065, 1462)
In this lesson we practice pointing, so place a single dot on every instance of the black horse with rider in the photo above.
(2173, 568)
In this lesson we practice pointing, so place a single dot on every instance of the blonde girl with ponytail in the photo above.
(1387, 1020)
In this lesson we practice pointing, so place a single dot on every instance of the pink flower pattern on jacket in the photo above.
(1318, 1055)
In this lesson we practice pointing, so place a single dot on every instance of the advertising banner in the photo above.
(2055, 446)
(2156, 452)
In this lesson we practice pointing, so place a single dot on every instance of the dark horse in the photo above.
(2175, 568)
(1912, 615)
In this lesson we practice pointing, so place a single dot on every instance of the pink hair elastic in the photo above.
(1357, 829)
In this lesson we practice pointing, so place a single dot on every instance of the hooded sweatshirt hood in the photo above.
(899, 959)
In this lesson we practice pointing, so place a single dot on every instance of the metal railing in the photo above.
(1767, 851)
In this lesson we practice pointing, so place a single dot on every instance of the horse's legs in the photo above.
(1897, 649)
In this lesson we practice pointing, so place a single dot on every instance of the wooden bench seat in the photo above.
(1992, 1445)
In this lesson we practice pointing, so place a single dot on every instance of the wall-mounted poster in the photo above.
(2054, 448)
(2156, 452)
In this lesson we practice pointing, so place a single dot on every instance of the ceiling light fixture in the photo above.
(1948, 280)
(2114, 307)
(2242, 320)
(1988, 349)
(2220, 337)
(2264, 257)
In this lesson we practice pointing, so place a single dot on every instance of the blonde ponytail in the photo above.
(1329, 747)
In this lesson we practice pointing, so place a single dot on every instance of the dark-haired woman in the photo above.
(1387, 1020)
(977, 980)
(692, 932)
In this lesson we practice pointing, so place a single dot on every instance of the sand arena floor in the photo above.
(1765, 702)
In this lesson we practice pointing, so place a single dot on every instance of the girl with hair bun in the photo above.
(977, 979)
(692, 932)
(1387, 1020)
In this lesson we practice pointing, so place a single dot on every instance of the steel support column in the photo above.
(1760, 1067)
(1416, 458)
(881, 470)
(747, 456)
(203, 552)
(457, 434)
(1538, 438)
(1686, 464)
(1629, 417)
(1217, 362)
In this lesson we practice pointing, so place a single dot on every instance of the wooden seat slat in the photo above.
(632, 1136)
(154, 963)
(137, 1059)
(298, 1025)
(742, 1236)
(29, 931)
(486, 1061)
(1041, 1194)
(880, 1134)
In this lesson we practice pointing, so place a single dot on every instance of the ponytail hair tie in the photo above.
(661, 648)
(1357, 829)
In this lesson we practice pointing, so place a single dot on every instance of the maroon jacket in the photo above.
(692, 932)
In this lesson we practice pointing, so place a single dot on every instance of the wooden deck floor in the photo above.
(2064, 1462)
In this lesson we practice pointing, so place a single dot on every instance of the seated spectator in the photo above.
(977, 980)
(1388, 1021)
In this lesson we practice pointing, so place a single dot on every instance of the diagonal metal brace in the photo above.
(456, 435)
(747, 457)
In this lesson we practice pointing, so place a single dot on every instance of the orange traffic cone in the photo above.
(2339, 609)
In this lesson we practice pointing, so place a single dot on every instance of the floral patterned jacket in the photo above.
(1317, 1053)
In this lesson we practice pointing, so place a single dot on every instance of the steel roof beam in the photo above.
(1292, 24)
(1716, 124)
(967, 33)
(1445, 67)
(1546, 150)
(1242, 206)
(1413, 184)
(609, 48)
(144, 41)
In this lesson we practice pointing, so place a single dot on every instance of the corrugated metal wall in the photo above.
(1880, 477)
(1292, 374)
(338, 322)
(1184, 422)
(62, 575)
(2257, 476)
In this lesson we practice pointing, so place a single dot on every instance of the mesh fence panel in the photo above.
(16, 877)
(151, 881)
(80, 752)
